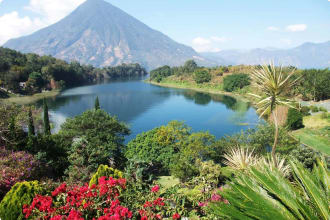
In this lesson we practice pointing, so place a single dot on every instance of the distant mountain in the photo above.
(101, 34)
(307, 55)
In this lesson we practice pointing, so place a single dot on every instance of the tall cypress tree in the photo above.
(97, 103)
(31, 125)
(46, 119)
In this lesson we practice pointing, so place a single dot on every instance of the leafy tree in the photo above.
(294, 119)
(97, 104)
(202, 76)
(160, 73)
(315, 84)
(273, 84)
(235, 81)
(159, 145)
(190, 66)
(96, 138)
(46, 118)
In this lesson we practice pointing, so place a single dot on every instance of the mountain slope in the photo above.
(307, 55)
(101, 34)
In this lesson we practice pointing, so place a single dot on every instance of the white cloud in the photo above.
(272, 28)
(53, 10)
(296, 27)
(211, 44)
(12, 26)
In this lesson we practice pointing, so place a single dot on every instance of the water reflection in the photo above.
(144, 106)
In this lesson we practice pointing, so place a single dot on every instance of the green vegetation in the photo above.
(29, 73)
(11, 206)
(272, 83)
(202, 76)
(294, 119)
(235, 81)
(104, 170)
(169, 171)
(263, 191)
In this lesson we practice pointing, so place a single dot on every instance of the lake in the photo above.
(143, 107)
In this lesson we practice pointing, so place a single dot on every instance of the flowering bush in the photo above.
(16, 167)
(102, 202)
(81, 202)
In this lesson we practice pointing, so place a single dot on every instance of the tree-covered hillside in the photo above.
(31, 73)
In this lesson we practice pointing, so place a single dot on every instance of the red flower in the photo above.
(155, 189)
(60, 189)
(176, 216)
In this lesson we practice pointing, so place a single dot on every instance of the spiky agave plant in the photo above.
(272, 82)
(240, 158)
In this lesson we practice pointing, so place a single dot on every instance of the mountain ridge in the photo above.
(306, 55)
(101, 34)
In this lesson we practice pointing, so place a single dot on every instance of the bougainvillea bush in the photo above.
(101, 202)
(16, 167)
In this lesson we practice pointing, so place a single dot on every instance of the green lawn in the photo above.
(316, 133)
(167, 181)
(316, 138)
(24, 100)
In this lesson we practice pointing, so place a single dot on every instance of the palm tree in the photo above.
(272, 82)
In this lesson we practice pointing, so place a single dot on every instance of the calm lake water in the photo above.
(143, 107)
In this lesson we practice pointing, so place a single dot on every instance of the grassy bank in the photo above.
(207, 88)
(24, 100)
(316, 133)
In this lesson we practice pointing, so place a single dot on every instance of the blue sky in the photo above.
(206, 25)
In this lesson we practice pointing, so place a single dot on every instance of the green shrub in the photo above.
(307, 156)
(305, 110)
(104, 170)
(314, 108)
(235, 81)
(202, 76)
(295, 119)
(11, 206)
(322, 109)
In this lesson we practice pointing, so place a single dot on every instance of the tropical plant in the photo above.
(266, 194)
(280, 164)
(272, 82)
(240, 158)
(294, 119)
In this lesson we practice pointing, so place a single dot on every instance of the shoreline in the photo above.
(25, 100)
(205, 90)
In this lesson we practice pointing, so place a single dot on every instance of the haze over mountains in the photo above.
(307, 55)
(101, 34)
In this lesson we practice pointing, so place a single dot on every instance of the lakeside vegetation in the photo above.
(28, 74)
(86, 171)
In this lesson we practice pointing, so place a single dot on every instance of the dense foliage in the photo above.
(294, 119)
(262, 191)
(45, 72)
(235, 81)
(11, 207)
(94, 138)
(314, 84)
(16, 167)
(202, 76)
